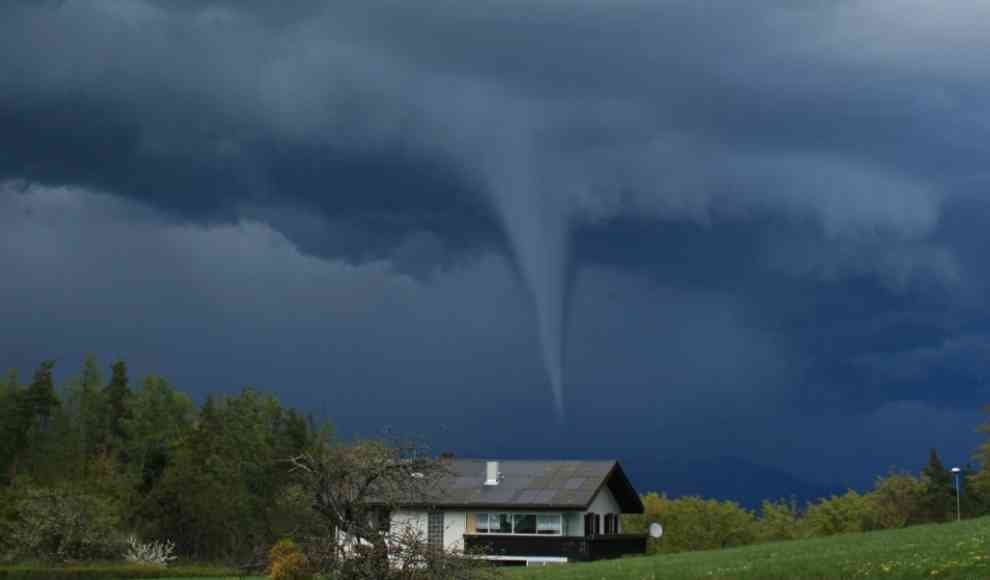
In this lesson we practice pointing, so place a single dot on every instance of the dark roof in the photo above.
(531, 485)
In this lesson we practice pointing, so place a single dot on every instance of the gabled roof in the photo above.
(542, 485)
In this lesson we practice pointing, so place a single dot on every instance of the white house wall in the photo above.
(454, 526)
(413, 520)
(603, 503)
(455, 522)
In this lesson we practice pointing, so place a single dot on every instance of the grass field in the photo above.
(956, 550)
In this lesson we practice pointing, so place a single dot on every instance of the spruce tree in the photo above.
(939, 491)
(41, 396)
(116, 395)
(92, 413)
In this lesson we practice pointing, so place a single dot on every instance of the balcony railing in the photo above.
(574, 548)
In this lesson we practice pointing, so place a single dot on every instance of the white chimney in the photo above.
(491, 473)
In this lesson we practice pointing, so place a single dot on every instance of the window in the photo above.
(481, 525)
(434, 530)
(542, 524)
(500, 524)
(549, 525)
(524, 524)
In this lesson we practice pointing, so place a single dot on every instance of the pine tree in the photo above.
(939, 491)
(116, 395)
(41, 396)
(13, 425)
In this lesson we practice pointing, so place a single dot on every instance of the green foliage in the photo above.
(213, 480)
(780, 520)
(897, 501)
(978, 483)
(157, 416)
(57, 525)
(693, 523)
(41, 399)
(839, 514)
(117, 395)
(225, 478)
(939, 497)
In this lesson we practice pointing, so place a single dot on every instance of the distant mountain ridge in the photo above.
(724, 478)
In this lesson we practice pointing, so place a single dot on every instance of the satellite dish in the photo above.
(656, 530)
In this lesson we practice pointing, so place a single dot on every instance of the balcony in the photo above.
(574, 548)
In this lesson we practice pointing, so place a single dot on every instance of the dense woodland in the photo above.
(144, 459)
(100, 458)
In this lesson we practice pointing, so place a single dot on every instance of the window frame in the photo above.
(512, 521)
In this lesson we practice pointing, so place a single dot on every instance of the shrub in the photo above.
(56, 525)
(780, 520)
(693, 523)
(840, 514)
(896, 501)
(287, 562)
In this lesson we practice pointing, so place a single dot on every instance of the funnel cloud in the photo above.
(536, 222)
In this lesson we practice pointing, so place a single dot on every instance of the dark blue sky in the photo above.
(688, 235)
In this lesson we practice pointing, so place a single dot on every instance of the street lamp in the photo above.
(955, 472)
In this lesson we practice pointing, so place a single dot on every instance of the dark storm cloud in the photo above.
(200, 104)
(789, 200)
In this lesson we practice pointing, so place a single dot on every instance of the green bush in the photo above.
(896, 501)
(57, 525)
(780, 520)
(693, 523)
(840, 514)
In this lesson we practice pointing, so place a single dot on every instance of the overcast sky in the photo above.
(661, 231)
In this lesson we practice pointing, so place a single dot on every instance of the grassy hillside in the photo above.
(956, 550)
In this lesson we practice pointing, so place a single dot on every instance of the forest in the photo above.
(118, 459)
(86, 465)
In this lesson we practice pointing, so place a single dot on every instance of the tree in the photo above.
(353, 489)
(88, 429)
(694, 523)
(41, 396)
(117, 393)
(939, 496)
(155, 418)
(839, 514)
(13, 425)
(779, 520)
(59, 525)
(897, 501)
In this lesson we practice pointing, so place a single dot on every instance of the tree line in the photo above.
(113, 456)
(86, 464)
(98, 466)
(897, 500)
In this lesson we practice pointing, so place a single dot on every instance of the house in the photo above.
(528, 512)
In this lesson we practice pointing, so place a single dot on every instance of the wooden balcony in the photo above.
(574, 548)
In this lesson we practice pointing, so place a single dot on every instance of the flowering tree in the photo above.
(353, 490)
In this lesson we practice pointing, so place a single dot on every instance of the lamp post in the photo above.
(955, 472)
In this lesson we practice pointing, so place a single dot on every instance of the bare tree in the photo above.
(354, 489)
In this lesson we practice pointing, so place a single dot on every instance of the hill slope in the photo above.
(956, 550)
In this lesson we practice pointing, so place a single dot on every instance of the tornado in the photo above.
(537, 224)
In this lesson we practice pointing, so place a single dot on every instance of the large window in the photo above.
(542, 524)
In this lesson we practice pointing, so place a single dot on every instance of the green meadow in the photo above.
(954, 550)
